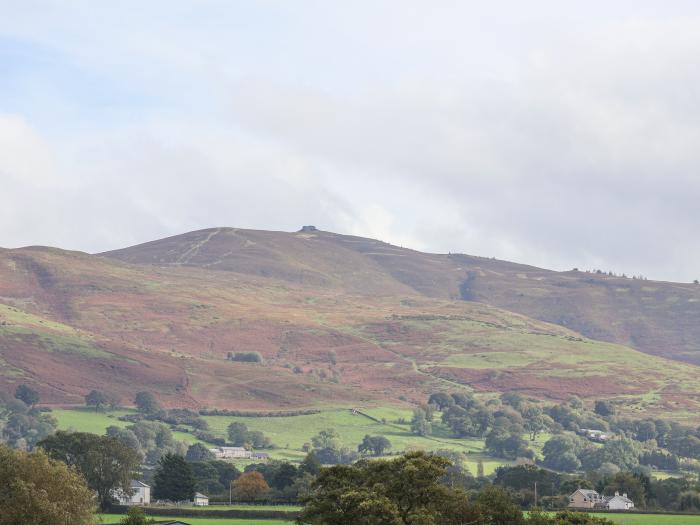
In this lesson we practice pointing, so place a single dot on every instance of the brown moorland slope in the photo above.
(71, 322)
(659, 318)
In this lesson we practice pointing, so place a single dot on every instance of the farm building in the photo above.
(141, 494)
(230, 453)
(200, 500)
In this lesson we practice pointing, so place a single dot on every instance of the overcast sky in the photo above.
(554, 133)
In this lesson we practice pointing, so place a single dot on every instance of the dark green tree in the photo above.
(374, 445)
(604, 408)
(440, 400)
(97, 399)
(173, 480)
(403, 491)
(27, 394)
(198, 452)
(147, 403)
(105, 462)
(136, 516)
(237, 433)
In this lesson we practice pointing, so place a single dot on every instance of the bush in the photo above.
(245, 357)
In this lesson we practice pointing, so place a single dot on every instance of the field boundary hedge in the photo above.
(260, 514)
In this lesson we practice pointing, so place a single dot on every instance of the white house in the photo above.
(593, 434)
(200, 500)
(230, 453)
(618, 502)
(590, 499)
(141, 494)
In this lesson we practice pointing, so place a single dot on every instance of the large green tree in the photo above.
(403, 491)
(27, 394)
(173, 480)
(36, 490)
(147, 403)
(105, 462)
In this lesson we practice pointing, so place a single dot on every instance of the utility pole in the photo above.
(535, 494)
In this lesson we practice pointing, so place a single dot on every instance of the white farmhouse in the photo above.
(618, 502)
(230, 453)
(590, 499)
(200, 500)
(141, 494)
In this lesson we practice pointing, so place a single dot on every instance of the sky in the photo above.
(559, 134)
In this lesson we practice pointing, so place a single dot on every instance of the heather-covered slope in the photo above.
(71, 322)
(655, 317)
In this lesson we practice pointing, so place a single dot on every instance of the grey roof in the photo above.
(200, 495)
(587, 492)
(137, 483)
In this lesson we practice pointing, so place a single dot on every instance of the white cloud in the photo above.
(556, 136)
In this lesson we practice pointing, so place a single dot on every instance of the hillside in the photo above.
(335, 328)
(655, 317)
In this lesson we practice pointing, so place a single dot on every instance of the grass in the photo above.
(651, 519)
(619, 518)
(96, 422)
(289, 434)
(114, 518)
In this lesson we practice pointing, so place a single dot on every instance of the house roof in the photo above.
(200, 495)
(136, 483)
(587, 492)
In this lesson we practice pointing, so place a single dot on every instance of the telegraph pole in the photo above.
(535, 493)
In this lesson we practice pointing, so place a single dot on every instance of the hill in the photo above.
(658, 318)
(335, 326)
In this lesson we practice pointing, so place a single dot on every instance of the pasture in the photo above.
(114, 518)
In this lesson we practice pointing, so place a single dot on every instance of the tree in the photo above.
(40, 491)
(237, 433)
(250, 486)
(198, 452)
(328, 438)
(97, 399)
(27, 394)
(136, 516)
(560, 453)
(406, 490)
(604, 408)
(105, 462)
(534, 426)
(310, 464)
(440, 400)
(173, 480)
(374, 445)
(146, 402)
(498, 508)
(420, 424)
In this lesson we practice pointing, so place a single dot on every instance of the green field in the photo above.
(290, 433)
(96, 422)
(651, 519)
(114, 518)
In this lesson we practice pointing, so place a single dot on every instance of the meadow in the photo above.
(620, 519)
(114, 518)
(651, 519)
(290, 433)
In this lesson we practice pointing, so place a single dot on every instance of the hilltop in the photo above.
(655, 317)
(338, 320)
